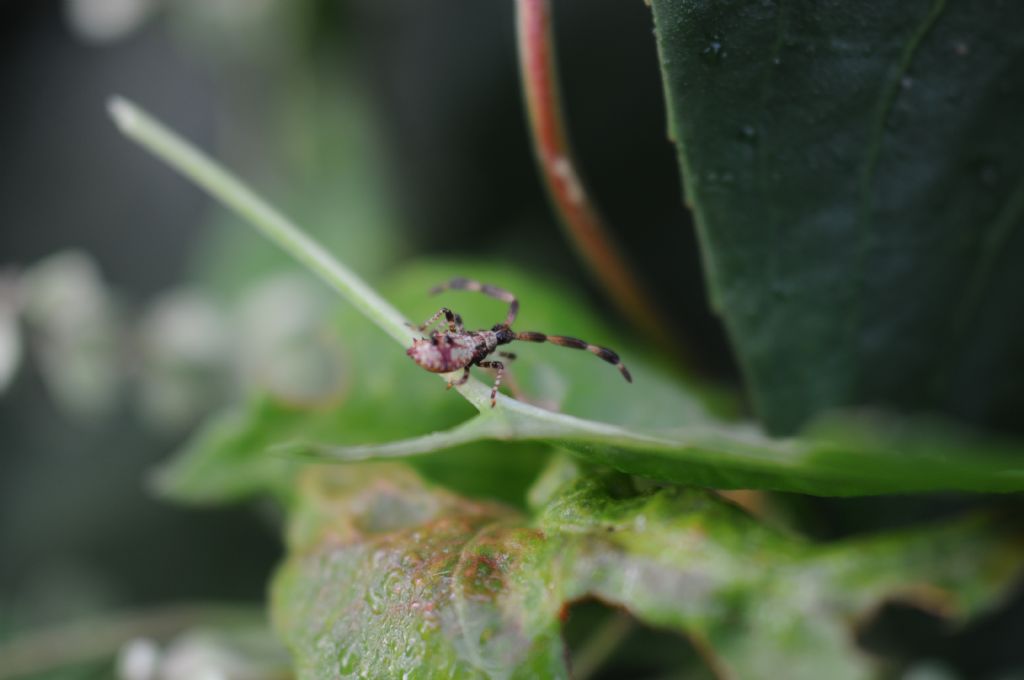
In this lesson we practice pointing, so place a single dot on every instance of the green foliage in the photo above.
(384, 396)
(700, 449)
(855, 171)
(843, 455)
(657, 427)
(389, 577)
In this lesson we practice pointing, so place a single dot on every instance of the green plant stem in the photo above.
(99, 638)
(219, 183)
(601, 645)
(582, 220)
(210, 176)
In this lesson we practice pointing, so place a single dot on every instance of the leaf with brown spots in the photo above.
(389, 577)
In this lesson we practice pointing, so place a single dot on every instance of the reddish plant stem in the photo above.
(579, 216)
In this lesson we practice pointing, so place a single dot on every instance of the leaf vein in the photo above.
(994, 236)
(767, 85)
(883, 107)
(459, 599)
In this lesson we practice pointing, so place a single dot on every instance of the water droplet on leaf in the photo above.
(714, 52)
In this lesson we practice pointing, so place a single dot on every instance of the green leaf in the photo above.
(843, 455)
(670, 435)
(324, 144)
(387, 576)
(856, 171)
(384, 395)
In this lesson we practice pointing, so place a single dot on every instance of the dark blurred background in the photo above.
(405, 117)
(78, 531)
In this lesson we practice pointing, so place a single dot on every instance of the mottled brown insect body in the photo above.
(446, 352)
(449, 350)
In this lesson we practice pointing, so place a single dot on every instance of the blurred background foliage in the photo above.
(131, 308)
(392, 129)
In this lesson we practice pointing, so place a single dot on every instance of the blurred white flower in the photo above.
(184, 349)
(205, 655)
(104, 21)
(10, 334)
(138, 660)
(73, 327)
(929, 670)
(285, 344)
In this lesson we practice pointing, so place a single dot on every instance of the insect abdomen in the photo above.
(441, 357)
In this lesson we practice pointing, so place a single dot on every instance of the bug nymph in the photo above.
(444, 351)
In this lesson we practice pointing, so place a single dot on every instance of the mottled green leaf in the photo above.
(856, 171)
(388, 577)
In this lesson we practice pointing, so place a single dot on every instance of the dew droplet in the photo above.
(719, 177)
(486, 634)
(348, 662)
(714, 52)
(375, 599)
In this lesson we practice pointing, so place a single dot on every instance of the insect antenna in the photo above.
(460, 283)
(565, 341)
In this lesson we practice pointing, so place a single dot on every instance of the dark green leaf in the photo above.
(388, 577)
(856, 170)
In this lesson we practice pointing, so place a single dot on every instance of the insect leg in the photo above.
(508, 379)
(500, 368)
(461, 381)
(454, 320)
(460, 283)
(565, 341)
(508, 355)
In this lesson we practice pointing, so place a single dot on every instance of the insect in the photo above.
(449, 350)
